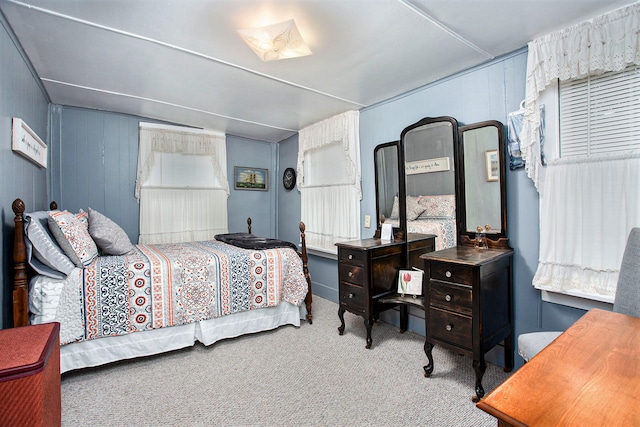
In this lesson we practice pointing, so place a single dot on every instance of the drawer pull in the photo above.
(449, 327)
(448, 274)
(350, 256)
(447, 298)
(350, 274)
(351, 295)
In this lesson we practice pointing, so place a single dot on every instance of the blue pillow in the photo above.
(43, 252)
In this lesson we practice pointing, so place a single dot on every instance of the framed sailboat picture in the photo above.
(246, 178)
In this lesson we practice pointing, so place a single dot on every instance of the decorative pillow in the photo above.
(44, 254)
(438, 206)
(414, 208)
(109, 236)
(72, 234)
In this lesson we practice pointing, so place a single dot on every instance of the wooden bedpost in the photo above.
(249, 225)
(20, 304)
(305, 267)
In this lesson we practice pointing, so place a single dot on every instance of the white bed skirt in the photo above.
(105, 350)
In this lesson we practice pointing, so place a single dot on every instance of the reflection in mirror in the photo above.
(386, 179)
(428, 148)
(483, 179)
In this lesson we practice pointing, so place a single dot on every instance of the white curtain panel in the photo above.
(330, 198)
(587, 209)
(192, 216)
(607, 43)
(181, 198)
(328, 214)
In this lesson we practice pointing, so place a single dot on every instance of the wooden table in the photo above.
(590, 375)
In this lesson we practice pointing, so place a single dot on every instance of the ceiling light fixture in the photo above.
(277, 41)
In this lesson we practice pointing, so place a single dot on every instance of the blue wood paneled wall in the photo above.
(259, 205)
(94, 164)
(20, 96)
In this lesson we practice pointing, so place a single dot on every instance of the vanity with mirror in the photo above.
(442, 191)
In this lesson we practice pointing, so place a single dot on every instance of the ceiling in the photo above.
(182, 61)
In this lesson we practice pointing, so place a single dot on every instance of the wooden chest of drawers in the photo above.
(468, 304)
(368, 272)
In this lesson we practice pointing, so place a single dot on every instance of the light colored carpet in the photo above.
(307, 376)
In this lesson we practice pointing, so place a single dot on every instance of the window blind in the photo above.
(600, 114)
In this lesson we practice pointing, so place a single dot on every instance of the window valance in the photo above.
(343, 129)
(155, 139)
(606, 43)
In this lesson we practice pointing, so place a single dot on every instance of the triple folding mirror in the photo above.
(446, 180)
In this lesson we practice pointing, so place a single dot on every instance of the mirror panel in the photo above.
(482, 190)
(428, 152)
(387, 177)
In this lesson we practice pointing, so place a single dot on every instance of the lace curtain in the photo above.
(179, 208)
(606, 43)
(330, 206)
(587, 205)
(587, 208)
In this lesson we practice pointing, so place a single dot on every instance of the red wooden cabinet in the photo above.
(30, 376)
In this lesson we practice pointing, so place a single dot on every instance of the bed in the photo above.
(116, 301)
(429, 215)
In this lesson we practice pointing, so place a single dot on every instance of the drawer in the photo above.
(353, 297)
(352, 274)
(450, 296)
(450, 327)
(454, 273)
(351, 256)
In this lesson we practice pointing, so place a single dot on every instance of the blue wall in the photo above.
(20, 96)
(259, 205)
(94, 163)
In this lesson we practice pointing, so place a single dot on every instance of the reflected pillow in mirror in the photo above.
(414, 208)
(438, 206)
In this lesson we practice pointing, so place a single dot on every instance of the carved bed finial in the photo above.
(18, 207)
(249, 225)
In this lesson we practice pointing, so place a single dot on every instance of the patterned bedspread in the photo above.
(174, 284)
(443, 228)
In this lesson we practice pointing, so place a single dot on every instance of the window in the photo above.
(329, 181)
(589, 200)
(600, 114)
(181, 185)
